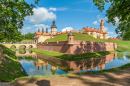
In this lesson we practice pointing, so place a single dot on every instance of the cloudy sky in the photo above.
(68, 14)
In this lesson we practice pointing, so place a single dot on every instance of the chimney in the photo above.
(42, 30)
(95, 28)
(87, 27)
(91, 28)
(60, 31)
(38, 30)
(46, 30)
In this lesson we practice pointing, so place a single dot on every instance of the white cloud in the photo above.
(117, 20)
(110, 33)
(99, 20)
(53, 9)
(106, 28)
(67, 28)
(34, 28)
(95, 23)
(61, 9)
(115, 35)
(41, 14)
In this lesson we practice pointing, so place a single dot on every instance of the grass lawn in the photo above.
(121, 45)
(9, 68)
(68, 57)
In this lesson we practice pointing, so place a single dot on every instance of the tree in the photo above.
(119, 9)
(28, 36)
(1, 35)
(12, 15)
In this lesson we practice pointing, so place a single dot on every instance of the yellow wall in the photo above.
(95, 34)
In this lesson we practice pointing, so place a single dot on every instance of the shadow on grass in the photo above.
(83, 55)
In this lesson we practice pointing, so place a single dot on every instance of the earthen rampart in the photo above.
(76, 47)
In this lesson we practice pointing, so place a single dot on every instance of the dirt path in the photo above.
(114, 78)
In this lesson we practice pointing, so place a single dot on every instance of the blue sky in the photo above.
(68, 14)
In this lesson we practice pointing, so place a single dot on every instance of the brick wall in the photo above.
(77, 47)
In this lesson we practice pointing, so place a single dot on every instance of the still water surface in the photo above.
(37, 64)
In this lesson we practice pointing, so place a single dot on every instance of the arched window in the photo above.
(70, 38)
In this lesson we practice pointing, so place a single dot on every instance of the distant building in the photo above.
(42, 36)
(101, 34)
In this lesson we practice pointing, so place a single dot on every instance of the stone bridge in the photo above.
(27, 45)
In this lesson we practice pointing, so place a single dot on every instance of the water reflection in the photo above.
(37, 64)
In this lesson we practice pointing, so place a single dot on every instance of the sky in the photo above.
(68, 14)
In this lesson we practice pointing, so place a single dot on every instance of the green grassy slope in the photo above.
(122, 45)
(9, 68)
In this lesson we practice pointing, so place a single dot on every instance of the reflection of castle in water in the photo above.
(86, 64)
(74, 66)
(92, 63)
(37, 62)
(42, 63)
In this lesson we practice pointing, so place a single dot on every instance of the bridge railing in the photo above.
(17, 43)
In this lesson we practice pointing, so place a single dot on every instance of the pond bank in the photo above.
(68, 57)
(119, 76)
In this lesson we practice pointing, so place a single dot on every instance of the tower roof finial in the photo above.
(53, 25)
(102, 20)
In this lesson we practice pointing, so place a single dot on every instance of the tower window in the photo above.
(70, 38)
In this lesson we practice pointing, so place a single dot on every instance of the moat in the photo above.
(38, 64)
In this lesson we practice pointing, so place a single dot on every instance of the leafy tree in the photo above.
(1, 35)
(126, 36)
(121, 10)
(12, 15)
(28, 36)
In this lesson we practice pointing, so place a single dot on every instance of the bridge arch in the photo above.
(30, 46)
(25, 46)
(12, 46)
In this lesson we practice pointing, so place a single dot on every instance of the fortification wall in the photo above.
(59, 46)
(77, 47)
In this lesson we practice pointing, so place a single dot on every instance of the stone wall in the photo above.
(76, 47)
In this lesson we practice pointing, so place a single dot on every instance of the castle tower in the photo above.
(70, 42)
(53, 28)
(70, 38)
(102, 26)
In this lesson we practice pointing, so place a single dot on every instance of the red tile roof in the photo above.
(94, 30)
(115, 39)
(40, 33)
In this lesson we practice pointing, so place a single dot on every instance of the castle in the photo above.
(42, 36)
